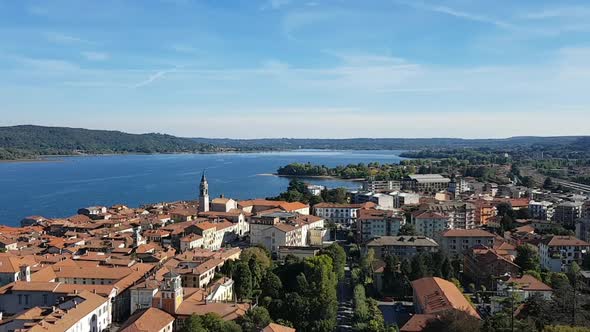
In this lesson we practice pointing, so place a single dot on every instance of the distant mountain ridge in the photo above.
(31, 141)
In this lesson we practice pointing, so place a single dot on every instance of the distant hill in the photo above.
(27, 142)
(390, 143)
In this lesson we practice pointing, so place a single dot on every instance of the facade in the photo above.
(483, 265)
(557, 253)
(382, 200)
(583, 229)
(430, 224)
(375, 223)
(458, 185)
(223, 204)
(461, 215)
(341, 214)
(567, 213)
(280, 229)
(401, 246)
(381, 186)
(542, 210)
(425, 183)
(401, 199)
(457, 242)
(191, 241)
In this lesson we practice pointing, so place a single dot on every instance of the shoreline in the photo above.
(325, 177)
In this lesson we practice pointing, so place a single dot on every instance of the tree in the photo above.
(255, 320)
(272, 285)
(261, 255)
(562, 328)
(548, 184)
(419, 268)
(193, 324)
(447, 269)
(408, 229)
(453, 321)
(338, 255)
(243, 281)
(390, 275)
(527, 258)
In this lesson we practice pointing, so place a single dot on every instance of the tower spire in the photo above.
(203, 194)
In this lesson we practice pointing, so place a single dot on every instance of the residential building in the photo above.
(430, 224)
(457, 242)
(425, 183)
(526, 286)
(278, 229)
(401, 199)
(483, 265)
(458, 185)
(374, 223)
(557, 253)
(315, 189)
(461, 215)
(567, 213)
(273, 327)
(191, 241)
(381, 186)
(583, 229)
(384, 201)
(401, 246)
(542, 210)
(434, 295)
(341, 214)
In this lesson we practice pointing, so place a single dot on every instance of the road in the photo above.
(345, 305)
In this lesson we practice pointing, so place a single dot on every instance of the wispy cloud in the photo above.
(456, 13)
(275, 4)
(154, 77)
(558, 12)
(60, 38)
(96, 56)
(46, 64)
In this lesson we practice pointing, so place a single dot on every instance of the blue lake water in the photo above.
(59, 187)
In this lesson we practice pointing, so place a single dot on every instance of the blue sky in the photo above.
(287, 68)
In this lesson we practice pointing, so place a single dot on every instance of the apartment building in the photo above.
(557, 253)
(541, 210)
(341, 214)
(430, 224)
(277, 229)
(373, 223)
(401, 246)
(457, 242)
(567, 213)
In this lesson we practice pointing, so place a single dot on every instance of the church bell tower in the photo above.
(204, 195)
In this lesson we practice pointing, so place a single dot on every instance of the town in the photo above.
(425, 253)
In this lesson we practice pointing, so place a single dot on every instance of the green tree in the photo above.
(419, 268)
(447, 269)
(453, 321)
(408, 229)
(261, 255)
(243, 281)
(338, 255)
(255, 320)
(193, 324)
(272, 285)
(527, 258)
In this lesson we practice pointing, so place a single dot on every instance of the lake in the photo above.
(62, 185)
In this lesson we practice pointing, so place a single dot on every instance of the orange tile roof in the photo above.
(152, 319)
(436, 295)
(273, 327)
(467, 233)
(529, 283)
(565, 241)
(417, 323)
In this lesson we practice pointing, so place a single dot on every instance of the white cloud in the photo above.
(60, 38)
(96, 56)
(456, 13)
(158, 75)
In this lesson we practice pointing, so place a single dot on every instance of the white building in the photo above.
(401, 199)
(286, 229)
(542, 210)
(384, 201)
(373, 223)
(430, 224)
(456, 242)
(559, 252)
(341, 214)
(191, 241)
(223, 204)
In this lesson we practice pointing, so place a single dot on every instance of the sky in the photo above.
(288, 68)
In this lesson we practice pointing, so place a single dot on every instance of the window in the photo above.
(44, 298)
(20, 299)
